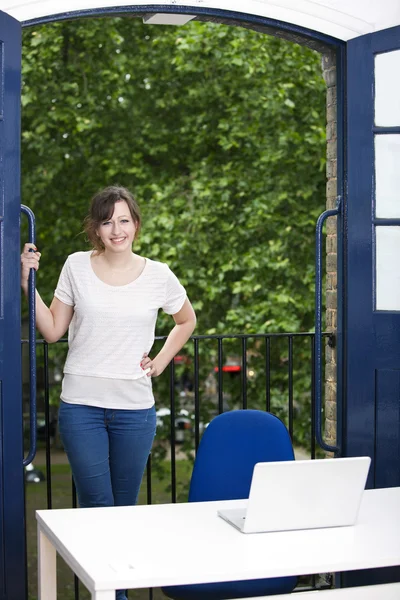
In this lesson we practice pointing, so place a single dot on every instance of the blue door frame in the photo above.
(12, 519)
(371, 347)
(372, 341)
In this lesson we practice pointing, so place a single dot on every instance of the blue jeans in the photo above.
(107, 450)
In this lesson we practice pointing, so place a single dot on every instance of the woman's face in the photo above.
(118, 233)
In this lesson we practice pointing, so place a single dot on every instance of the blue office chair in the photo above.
(230, 447)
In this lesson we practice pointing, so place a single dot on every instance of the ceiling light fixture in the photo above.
(167, 19)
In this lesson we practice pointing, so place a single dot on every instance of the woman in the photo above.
(109, 298)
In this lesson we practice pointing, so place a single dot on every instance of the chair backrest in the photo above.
(230, 447)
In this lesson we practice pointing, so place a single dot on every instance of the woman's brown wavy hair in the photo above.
(102, 208)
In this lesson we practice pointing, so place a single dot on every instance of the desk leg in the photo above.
(104, 595)
(47, 584)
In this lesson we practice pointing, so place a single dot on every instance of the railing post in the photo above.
(32, 344)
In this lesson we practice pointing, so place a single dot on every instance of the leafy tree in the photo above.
(219, 131)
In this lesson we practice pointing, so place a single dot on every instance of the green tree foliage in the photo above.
(220, 133)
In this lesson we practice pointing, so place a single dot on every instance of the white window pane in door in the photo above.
(387, 89)
(387, 175)
(388, 268)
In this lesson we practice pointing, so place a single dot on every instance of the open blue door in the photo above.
(372, 272)
(12, 520)
(372, 264)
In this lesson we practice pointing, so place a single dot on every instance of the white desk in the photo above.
(169, 544)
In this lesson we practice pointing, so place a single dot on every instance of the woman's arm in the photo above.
(185, 322)
(52, 322)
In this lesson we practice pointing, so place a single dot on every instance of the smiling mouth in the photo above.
(118, 240)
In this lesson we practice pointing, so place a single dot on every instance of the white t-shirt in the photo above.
(121, 394)
(113, 326)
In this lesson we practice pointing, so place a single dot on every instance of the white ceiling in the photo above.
(342, 19)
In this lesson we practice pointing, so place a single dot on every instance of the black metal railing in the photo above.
(214, 373)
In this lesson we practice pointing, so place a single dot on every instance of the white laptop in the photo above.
(302, 494)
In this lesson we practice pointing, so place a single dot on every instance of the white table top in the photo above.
(169, 544)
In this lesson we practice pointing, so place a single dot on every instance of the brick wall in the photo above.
(329, 73)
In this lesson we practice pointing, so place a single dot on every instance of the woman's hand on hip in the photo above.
(153, 366)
